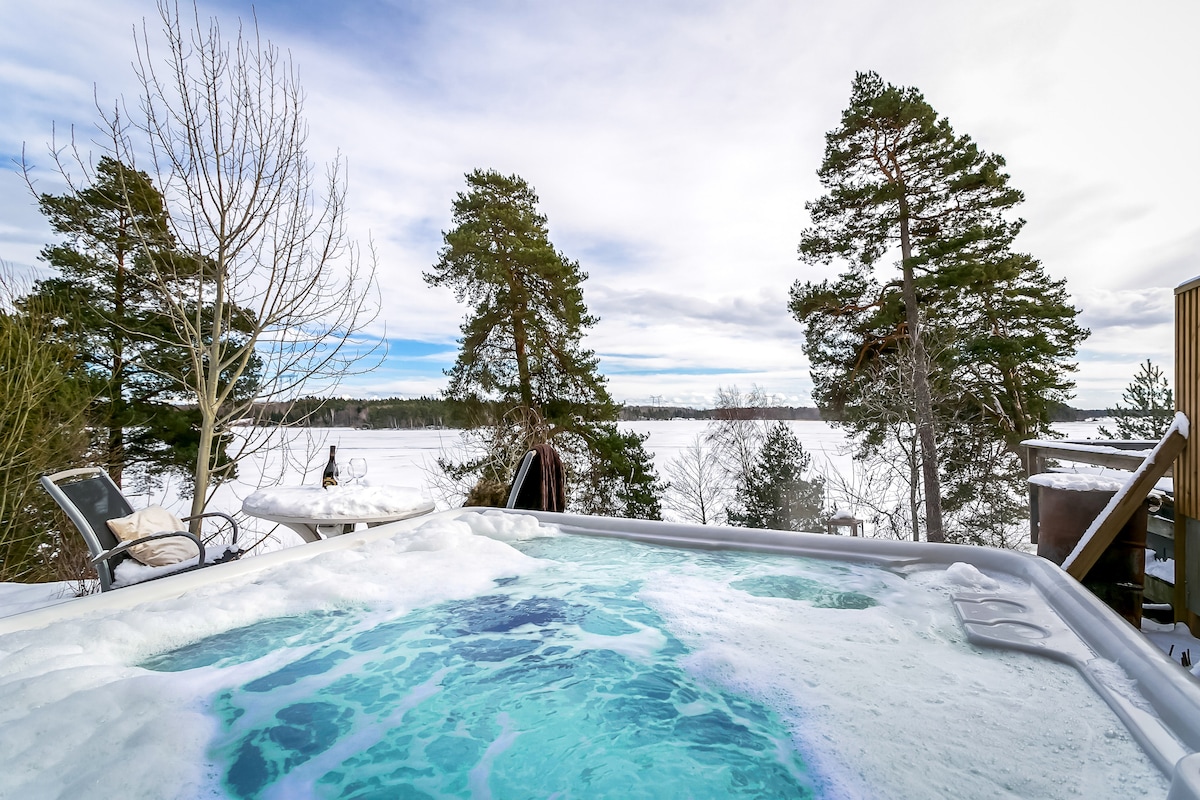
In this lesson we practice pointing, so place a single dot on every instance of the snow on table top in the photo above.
(336, 502)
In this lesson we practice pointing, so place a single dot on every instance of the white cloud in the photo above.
(1146, 307)
(674, 145)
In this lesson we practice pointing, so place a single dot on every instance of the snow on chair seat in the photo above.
(91, 500)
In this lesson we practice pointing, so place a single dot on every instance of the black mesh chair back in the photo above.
(98, 500)
(90, 498)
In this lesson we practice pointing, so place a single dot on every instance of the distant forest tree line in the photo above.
(435, 412)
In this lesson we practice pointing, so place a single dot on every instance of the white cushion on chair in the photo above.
(147, 522)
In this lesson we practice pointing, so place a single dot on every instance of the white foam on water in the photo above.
(300, 780)
(892, 702)
(478, 779)
(642, 645)
(885, 701)
(78, 718)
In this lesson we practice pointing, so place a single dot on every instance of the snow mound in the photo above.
(967, 576)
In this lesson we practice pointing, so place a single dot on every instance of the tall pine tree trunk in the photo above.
(521, 348)
(521, 341)
(925, 428)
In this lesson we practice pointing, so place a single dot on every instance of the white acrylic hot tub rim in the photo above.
(1073, 626)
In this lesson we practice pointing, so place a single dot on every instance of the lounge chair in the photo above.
(90, 498)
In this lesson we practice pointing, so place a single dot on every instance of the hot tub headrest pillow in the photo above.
(147, 522)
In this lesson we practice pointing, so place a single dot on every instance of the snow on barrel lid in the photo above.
(1077, 482)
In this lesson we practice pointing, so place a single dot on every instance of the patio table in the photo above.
(316, 513)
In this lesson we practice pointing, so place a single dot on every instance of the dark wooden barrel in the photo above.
(1119, 576)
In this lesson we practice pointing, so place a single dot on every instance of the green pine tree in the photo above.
(967, 342)
(110, 310)
(773, 492)
(1149, 407)
(112, 314)
(522, 371)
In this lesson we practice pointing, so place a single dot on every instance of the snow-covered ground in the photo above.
(408, 459)
(867, 667)
(463, 566)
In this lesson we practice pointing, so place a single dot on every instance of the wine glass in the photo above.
(358, 469)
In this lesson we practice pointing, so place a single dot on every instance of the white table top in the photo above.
(314, 505)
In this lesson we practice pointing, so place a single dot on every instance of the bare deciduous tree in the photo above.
(980, 503)
(738, 430)
(893, 457)
(697, 491)
(277, 289)
(883, 489)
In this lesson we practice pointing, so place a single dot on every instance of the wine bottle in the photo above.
(329, 476)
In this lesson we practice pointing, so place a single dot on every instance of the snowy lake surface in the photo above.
(409, 458)
(485, 656)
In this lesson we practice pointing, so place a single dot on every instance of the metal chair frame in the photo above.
(90, 498)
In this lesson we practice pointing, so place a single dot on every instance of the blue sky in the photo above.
(673, 146)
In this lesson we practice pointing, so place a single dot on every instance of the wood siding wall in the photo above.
(1187, 395)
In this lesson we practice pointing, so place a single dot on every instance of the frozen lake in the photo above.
(409, 458)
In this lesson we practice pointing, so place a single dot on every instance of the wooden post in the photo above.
(1187, 471)
(1179, 594)
(1104, 529)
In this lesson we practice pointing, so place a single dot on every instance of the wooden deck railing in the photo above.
(1127, 455)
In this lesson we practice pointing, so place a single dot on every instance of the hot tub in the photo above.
(494, 654)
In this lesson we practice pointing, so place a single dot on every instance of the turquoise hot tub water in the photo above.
(623, 659)
(561, 682)
(573, 681)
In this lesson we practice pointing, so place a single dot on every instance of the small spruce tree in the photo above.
(773, 492)
(1149, 406)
